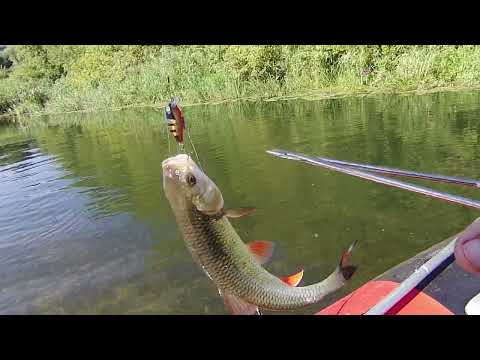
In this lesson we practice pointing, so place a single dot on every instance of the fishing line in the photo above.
(165, 131)
(345, 303)
(180, 126)
(168, 141)
(181, 147)
(193, 147)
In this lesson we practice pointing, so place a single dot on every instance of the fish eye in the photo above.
(191, 180)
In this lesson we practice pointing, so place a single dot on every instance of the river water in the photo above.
(85, 227)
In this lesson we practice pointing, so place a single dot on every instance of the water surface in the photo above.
(85, 227)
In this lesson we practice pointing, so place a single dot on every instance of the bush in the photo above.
(71, 77)
(256, 62)
(14, 93)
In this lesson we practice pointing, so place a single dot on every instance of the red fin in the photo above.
(262, 250)
(293, 280)
(237, 306)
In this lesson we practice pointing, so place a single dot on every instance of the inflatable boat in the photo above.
(445, 290)
(440, 280)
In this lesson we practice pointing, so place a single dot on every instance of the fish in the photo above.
(236, 267)
(175, 120)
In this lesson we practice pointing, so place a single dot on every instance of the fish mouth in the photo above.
(174, 166)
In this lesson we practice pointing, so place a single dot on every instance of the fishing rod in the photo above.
(425, 274)
(422, 276)
(378, 179)
(405, 173)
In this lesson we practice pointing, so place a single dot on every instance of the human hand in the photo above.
(467, 248)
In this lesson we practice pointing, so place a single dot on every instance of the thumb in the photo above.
(467, 248)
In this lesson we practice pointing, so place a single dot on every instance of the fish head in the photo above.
(185, 183)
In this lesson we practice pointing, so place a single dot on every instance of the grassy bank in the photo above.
(55, 79)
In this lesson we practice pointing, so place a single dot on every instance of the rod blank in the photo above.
(443, 257)
(405, 173)
(375, 178)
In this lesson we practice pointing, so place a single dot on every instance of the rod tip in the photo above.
(282, 154)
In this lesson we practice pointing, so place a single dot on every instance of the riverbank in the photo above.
(64, 79)
(313, 95)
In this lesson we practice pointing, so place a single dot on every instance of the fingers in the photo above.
(467, 248)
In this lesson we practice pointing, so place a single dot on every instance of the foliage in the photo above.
(56, 78)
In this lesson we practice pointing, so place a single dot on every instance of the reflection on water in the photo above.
(85, 227)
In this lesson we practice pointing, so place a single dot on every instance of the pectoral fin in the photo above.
(239, 212)
(237, 306)
(261, 250)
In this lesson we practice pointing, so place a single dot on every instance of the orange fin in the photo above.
(261, 250)
(237, 306)
(236, 213)
(293, 280)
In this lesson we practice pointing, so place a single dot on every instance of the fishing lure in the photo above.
(175, 120)
(176, 125)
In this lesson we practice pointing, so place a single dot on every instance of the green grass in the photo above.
(55, 79)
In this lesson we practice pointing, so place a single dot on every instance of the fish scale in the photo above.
(216, 246)
(199, 210)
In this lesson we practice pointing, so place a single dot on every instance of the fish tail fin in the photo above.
(336, 280)
(347, 270)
